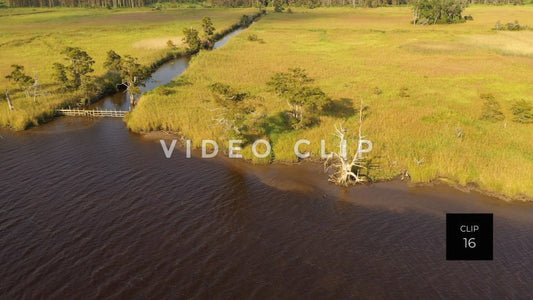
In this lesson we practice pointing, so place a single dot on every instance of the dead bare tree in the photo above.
(34, 88)
(346, 170)
(11, 107)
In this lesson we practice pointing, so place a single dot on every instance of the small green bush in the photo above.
(511, 26)
(171, 44)
(522, 111)
(404, 92)
(491, 109)
(255, 38)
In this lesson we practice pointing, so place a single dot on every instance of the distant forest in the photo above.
(226, 3)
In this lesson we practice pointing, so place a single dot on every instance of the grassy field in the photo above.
(34, 38)
(431, 78)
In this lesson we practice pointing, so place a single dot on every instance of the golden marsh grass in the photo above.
(350, 52)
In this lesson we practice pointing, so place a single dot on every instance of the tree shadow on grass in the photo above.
(342, 108)
(180, 81)
(277, 123)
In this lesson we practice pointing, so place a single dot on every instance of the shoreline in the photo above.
(449, 182)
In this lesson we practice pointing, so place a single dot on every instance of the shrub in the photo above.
(245, 20)
(255, 38)
(225, 95)
(491, 109)
(404, 92)
(171, 44)
(511, 26)
(522, 111)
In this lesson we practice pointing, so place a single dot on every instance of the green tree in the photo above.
(305, 101)
(113, 61)
(88, 89)
(438, 11)
(73, 74)
(278, 6)
(20, 79)
(192, 39)
(209, 31)
(132, 74)
(59, 73)
(245, 20)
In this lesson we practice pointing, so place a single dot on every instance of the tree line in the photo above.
(78, 3)
(75, 75)
(229, 3)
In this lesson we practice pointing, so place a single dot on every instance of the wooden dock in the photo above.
(97, 113)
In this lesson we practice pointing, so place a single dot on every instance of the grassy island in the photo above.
(441, 101)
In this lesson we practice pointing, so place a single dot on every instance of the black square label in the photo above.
(468, 236)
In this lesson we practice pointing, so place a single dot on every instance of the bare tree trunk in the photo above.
(35, 88)
(11, 107)
(132, 100)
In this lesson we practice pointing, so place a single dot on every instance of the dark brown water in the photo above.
(89, 210)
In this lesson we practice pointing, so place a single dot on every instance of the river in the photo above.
(89, 210)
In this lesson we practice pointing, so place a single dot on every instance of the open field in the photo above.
(34, 38)
(426, 120)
